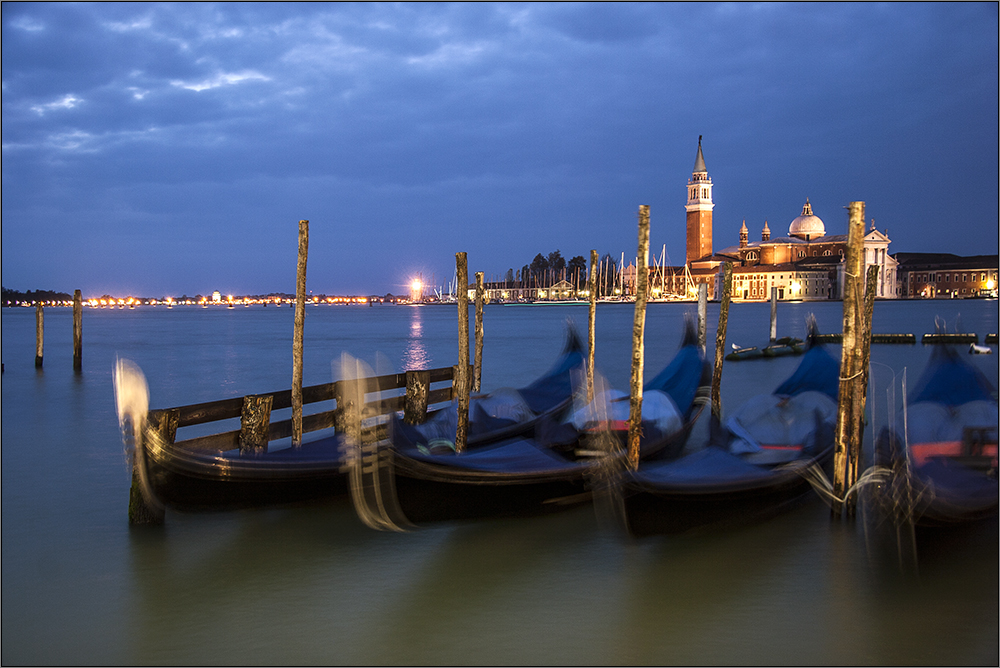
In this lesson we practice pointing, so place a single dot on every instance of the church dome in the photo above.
(807, 226)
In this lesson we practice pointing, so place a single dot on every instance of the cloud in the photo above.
(66, 102)
(454, 121)
(221, 79)
(27, 24)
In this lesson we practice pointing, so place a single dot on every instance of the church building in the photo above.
(805, 264)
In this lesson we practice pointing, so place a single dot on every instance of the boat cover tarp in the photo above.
(950, 380)
(488, 413)
(516, 456)
(769, 419)
(708, 466)
(957, 484)
(682, 377)
(933, 422)
(817, 372)
(614, 406)
(557, 384)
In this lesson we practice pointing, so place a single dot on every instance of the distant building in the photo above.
(699, 211)
(805, 264)
(946, 276)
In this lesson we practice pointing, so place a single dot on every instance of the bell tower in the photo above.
(699, 211)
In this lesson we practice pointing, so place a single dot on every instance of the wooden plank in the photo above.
(224, 409)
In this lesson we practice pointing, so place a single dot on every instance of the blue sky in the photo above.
(161, 149)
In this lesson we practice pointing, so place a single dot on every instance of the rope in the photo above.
(816, 477)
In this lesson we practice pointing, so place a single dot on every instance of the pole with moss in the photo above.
(720, 340)
(845, 435)
(462, 370)
(591, 323)
(477, 372)
(638, 333)
(77, 331)
(297, 341)
(39, 334)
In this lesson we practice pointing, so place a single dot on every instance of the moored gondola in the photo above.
(405, 483)
(755, 465)
(172, 475)
(941, 461)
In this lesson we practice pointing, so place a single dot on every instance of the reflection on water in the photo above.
(415, 355)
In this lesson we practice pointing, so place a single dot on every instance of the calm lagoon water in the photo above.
(312, 585)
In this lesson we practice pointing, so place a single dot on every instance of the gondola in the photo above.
(180, 478)
(405, 484)
(755, 465)
(942, 461)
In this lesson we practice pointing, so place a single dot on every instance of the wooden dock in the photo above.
(875, 338)
(418, 396)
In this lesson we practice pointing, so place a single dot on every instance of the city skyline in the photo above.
(156, 149)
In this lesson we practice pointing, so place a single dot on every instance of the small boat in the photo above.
(407, 483)
(942, 462)
(756, 464)
(194, 478)
(740, 353)
(780, 348)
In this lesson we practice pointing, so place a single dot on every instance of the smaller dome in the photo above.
(807, 226)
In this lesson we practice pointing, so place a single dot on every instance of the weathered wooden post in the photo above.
(477, 372)
(255, 423)
(844, 445)
(774, 314)
(638, 332)
(462, 372)
(861, 389)
(77, 331)
(39, 334)
(418, 385)
(591, 324)
(162, 425)
(297, 339)
(702, 315)
(720, 340)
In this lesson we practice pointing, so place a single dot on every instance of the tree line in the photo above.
(12, 297)
(544, 271)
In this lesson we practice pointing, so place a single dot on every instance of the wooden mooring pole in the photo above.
(861, 389)
(774, 314)
(847, 444)
(591, 324)
(702, 315)
(39, 334)
(418, 386)
(638, 333)
(77, 331)
(162, 426)
(720, 340)
(297, 339)
(462, 370)
(477, 371)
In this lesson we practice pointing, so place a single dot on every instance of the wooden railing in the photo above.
(256, 429)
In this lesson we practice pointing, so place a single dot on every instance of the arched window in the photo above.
(826, 253)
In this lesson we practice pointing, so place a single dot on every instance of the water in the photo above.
(312, 585)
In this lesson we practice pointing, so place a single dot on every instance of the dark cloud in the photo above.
(194, 136)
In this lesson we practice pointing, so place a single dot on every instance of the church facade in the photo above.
(804, 264)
